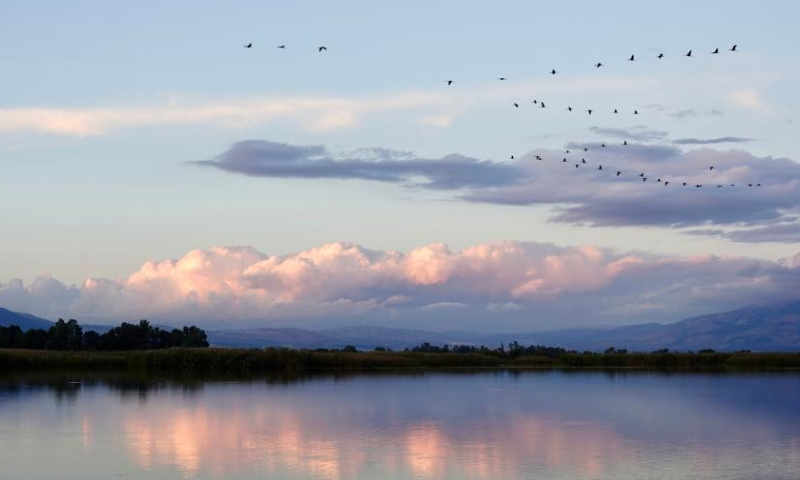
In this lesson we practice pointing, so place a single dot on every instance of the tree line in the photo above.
(69, 335)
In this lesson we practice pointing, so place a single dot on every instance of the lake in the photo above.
(478, 425)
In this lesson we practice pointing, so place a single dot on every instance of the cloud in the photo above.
(710, 141)
(784, 232)
(748, 98)
(341, 283)
(585, 195)
(691, 112)
(439, 121)
(639, 133)
(270, 159)
(314, 113)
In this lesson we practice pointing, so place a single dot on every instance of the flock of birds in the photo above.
(583, 162)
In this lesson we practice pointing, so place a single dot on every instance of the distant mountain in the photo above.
(24, 320)
(750, 328)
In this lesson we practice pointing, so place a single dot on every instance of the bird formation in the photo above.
(583, 162)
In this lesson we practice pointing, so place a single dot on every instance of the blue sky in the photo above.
(104, 108)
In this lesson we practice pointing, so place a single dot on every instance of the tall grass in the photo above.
(278, 360)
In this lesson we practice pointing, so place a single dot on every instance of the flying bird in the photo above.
(553, 71)
(644, 179)
(541, 104)
(733, 48)
(666, 183)
(590, 111)
(449, 82)
(502, 79)
(516, 104)
(710, 168)
(538, 157)
(619, 173)
(616, 111)
(636, 112)
(688, 54)
(603, 145)
(716, 51)
(569, 108)
(633, 58)
(598, 65)
(249, 45)
(624, 142)
(282, 46)
(322, 48)
(600, 167)
(512, 157)
(583, 160)
(641, 174)
(660, 56)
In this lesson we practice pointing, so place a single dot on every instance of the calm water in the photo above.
(548, 425)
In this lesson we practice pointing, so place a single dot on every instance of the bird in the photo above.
(619, 173)
(538, 157)
(659, 180)
(600, 167)
(512, 157)
(553, 71)
(633, 58)
(616, 111)
(644, 179)
(624, 142)
(590, 111)
(719, 186)
(535, 101)
(322, 48)
(249, 45)
(749, 184)
(566, 151)
(666, 183)
(684, 184)
(758, 184)
(569, 109)
(660, 56)
(688, 54)
(281, 46)
(516, 104)
(577, 165)
(585, 149)
(583, 160)
(602, 145)
(502, 79)
(636, 112)
(449, 82)
(733, 48)
(598, 65)
(698, 186)
(641, 174)
(716, 51)
(710, 168)
(564, 161)
(541, 104)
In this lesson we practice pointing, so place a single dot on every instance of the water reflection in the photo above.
(423, 426)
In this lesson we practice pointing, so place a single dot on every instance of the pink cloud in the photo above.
(340, 282)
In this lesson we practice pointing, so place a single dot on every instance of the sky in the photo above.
(151, 166)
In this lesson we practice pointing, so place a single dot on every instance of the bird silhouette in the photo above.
(569, 108)
(619, 173)
(449, 82)
(684, 184)
(538, 157)
(590, 111)
(512, 157)
(710, 168)
(535, 102)
(733, 48)
(600, 167)
(553, 71)
(598, 65)
(716, 51)
(249, 45)
(281, 46)
(660, 56)
(644, 179)
(688, 54)
(585, 149)
(322, 48)
(633, 58)
(502, 79)
(566, 151)
(624, 142)
(616, 111)
(636, 112)
(583, 160)
(666, 183)
(516, 104)
(659, 180)
(577, 165)
(603, 145)
(541, 104)
(564, 161)
(641, 174)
